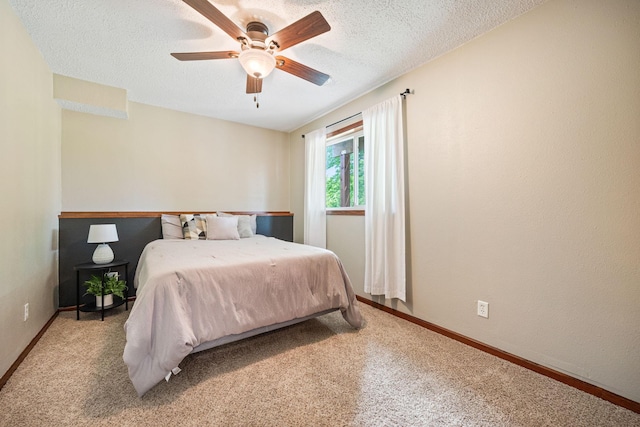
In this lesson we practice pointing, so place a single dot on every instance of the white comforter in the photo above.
(194, 291)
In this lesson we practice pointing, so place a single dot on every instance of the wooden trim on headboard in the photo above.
(148, 214)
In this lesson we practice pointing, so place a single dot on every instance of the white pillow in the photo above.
(222, 228)
(254, 224)
(171, 227)
(246, 224)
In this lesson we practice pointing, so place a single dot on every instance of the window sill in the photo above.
(353, 212)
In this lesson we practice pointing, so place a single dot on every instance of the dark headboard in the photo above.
(135, 230)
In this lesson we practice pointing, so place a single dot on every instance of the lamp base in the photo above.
(103, 254)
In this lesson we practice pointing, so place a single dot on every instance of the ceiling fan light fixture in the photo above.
(257, 63)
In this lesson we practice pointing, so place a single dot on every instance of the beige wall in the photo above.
(29, 189)
(524, 191)
(160, 159)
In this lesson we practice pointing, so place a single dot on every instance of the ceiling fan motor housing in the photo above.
(258, 33)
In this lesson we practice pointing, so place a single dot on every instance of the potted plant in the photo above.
(112, 286)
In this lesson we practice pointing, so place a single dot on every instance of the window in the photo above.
(345, 171)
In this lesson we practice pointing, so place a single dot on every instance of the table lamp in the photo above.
(102, 234)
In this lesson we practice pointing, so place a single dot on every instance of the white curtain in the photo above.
(315, 219)
(385, 263)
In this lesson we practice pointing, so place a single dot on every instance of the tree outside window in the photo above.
(345, 171)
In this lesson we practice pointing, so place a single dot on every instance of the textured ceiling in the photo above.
(126, 44)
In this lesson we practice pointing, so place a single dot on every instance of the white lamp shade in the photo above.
(257, 63)
(102, 233)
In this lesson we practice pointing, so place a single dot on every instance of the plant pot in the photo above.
(108, 300)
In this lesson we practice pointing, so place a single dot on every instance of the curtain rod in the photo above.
(407, 92)
(346, 118)
(402, 94)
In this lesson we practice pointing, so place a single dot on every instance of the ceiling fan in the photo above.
(258, 49)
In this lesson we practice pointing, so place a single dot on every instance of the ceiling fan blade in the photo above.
(196, 56)
(302, 71)
(212, 13)
(253, 85)
(310, 26)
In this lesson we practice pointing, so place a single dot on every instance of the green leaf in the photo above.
(111, 286)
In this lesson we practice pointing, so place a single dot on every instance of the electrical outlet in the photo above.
(483, 309)
(26, 311)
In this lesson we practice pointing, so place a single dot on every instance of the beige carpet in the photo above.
(321, 372)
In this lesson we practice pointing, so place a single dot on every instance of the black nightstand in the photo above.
(103, 268)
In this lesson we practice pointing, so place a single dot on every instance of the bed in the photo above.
(193, 295)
